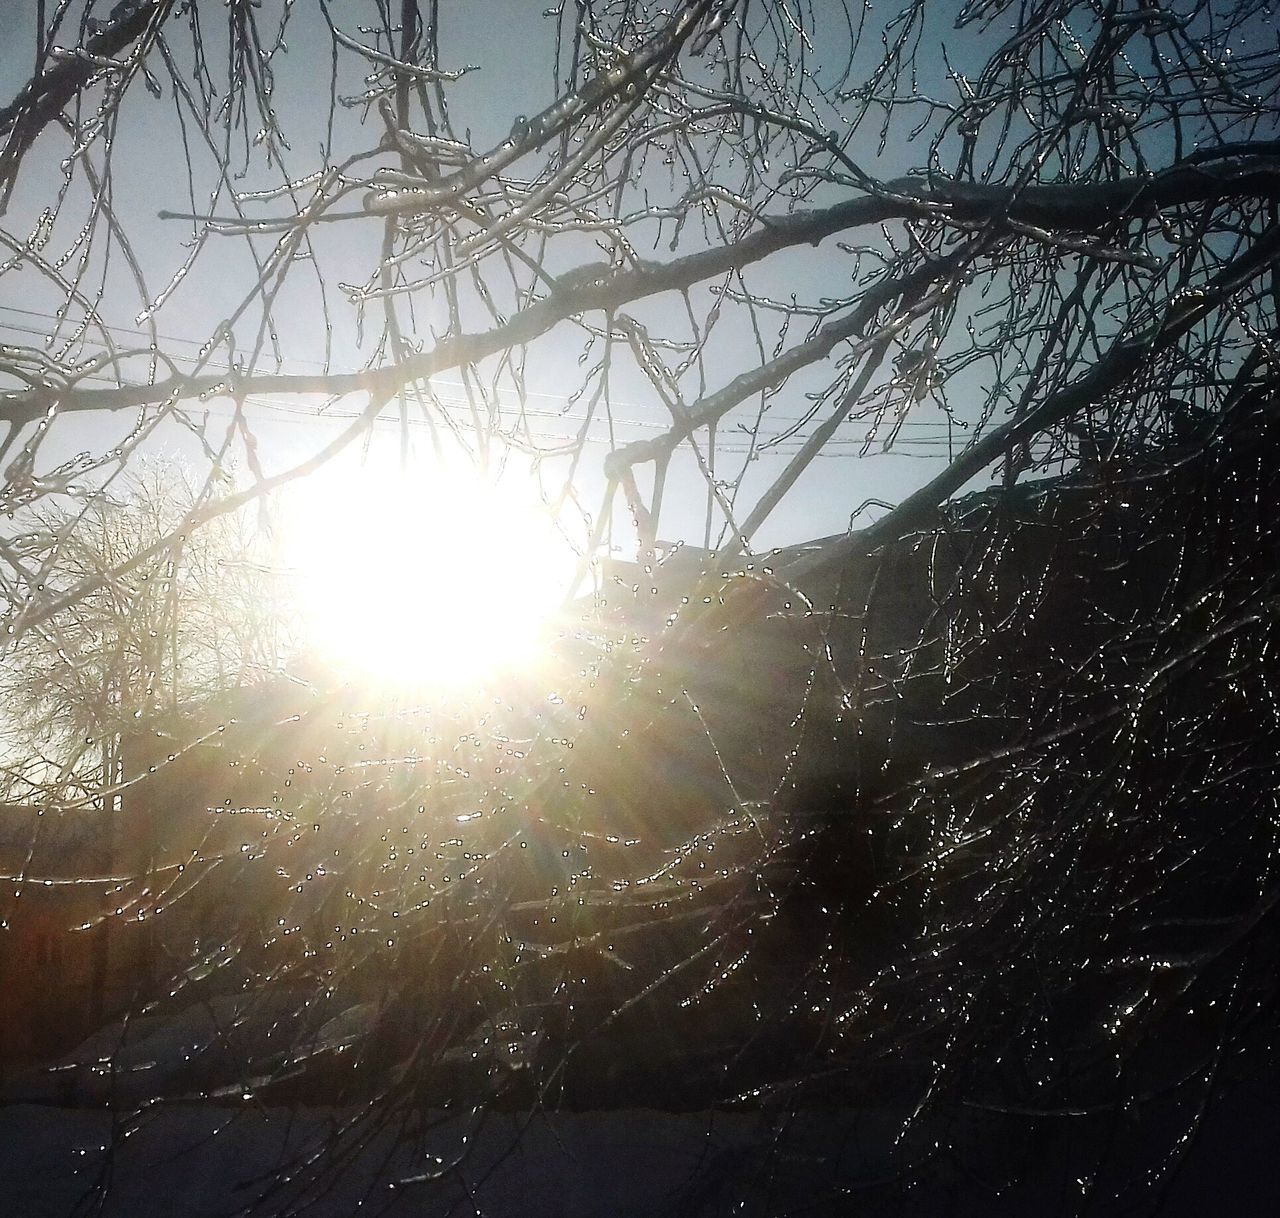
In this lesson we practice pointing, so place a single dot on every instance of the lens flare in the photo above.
(428, 577)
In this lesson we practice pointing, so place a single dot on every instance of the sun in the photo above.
(430, 575)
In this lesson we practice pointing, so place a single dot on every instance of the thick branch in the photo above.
(47, 95)
(1090, 206)
(584, 290)
(602, 288)
(1105, 377)
(768, 376)
(1079, 207)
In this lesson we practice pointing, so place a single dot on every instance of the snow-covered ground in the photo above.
(123, 1111)
(188, 1160)
(199, 1160)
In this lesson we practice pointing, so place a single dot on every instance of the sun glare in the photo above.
(431, 577)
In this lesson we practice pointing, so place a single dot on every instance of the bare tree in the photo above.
(714, 271)
(204, 616)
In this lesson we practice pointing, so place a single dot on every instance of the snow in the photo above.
(187, 1160)
(207, 1046)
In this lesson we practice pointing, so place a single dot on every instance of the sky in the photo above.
(512, 46)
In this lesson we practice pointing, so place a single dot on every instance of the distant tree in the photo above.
(163, 623)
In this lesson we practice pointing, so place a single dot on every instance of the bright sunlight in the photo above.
(427, 577)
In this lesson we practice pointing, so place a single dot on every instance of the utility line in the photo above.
(939, 440)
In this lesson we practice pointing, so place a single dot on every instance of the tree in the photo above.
(195, 620)
(1047, 267)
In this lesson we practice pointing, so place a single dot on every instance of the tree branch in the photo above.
(1106, 377)
(46, 95)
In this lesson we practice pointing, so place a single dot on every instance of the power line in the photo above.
(936, 433)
